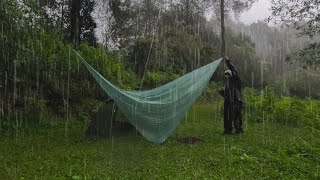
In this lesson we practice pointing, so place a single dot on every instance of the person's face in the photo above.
(227, 74)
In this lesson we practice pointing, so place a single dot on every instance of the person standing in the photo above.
(232, 100)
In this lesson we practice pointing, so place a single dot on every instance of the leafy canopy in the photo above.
(304, 16)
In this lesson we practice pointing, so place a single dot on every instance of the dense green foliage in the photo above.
(37, 66)
(300, 83)
(175, 37)
(288, 111)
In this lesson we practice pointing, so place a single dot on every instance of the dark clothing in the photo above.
(237, 121)
(228, 116)
(232, 101)
(232, 88)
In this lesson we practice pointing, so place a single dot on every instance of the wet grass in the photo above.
(265, 151)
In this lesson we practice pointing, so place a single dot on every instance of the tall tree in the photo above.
(226, 8)
(223, 44)
(130, 20)
(87, 23)
(75, 28)
(73, 19)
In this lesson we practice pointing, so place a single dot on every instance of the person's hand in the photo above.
(226, 58)
(235, 107)
(221, 92)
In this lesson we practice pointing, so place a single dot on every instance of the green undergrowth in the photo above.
(266, 150)
(286, 110)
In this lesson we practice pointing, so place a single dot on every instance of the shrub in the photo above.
(291, 111)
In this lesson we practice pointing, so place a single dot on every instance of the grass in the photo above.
(265, 151)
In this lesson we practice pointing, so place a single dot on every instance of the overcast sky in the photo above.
(259, 11)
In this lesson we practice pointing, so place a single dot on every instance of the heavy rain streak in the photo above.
(159, 89)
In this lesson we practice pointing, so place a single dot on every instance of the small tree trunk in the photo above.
(75, 23)
(62, 18)
(223, 44)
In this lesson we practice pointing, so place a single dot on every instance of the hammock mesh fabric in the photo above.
(156, 113)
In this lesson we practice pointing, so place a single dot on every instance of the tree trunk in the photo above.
(62, 18)
(75, 23)
(223, 44)
(187, 23)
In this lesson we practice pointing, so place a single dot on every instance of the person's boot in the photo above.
(227, 132)
(239, 131)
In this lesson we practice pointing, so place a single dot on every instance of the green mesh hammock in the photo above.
(156, 113)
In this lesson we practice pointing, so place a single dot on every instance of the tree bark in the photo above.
(62, 18)
(75, 23)
(223, 44)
